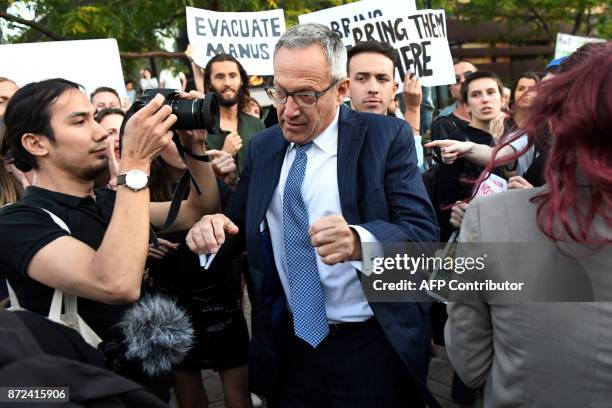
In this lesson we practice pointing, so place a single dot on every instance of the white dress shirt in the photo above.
(344, 298)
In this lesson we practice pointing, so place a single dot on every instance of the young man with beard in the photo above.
(226, 76)
(51, 130)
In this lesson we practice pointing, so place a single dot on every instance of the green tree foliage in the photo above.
(540, 18)
(140, 25)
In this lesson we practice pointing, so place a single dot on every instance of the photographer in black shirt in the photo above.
(51, 130)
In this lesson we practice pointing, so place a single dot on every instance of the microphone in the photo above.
(157, 333)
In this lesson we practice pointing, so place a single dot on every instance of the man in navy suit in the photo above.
(314, 190)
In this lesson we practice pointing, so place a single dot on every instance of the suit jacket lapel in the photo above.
(351, 133)
(265, 179)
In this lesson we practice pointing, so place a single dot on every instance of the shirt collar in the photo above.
(60, 198)
(327, 140)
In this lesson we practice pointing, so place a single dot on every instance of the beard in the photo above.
(92, 172)
(229, 102)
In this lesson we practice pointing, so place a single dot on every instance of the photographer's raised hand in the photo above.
(113, 163)
(190, 139)
(147, 133)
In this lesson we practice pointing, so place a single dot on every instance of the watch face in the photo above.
(136, 180)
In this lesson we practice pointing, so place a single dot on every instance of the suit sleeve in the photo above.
(411, 215)
(235, 207)
(468, 332)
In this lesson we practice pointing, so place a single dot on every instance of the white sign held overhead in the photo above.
(566, 43)
(250, 36)
(420, 39)
(342, 18)
(91, 63)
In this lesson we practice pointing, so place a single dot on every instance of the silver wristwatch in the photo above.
(135, 180)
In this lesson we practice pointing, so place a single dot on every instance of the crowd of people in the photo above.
(291, 210)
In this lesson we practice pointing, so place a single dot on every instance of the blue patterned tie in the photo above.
(307, 303)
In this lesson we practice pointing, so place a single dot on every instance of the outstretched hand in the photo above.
(208, 234)
(450, 150)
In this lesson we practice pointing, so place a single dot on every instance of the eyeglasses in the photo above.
(464, 75)
(303, 99)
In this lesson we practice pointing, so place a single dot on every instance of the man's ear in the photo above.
(395, 86)
(35, 144)
(343, 90)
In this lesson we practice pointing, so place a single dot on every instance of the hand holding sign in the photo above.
(413, 95)
(518, 182)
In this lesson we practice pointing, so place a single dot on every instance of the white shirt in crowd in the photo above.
(171, 79)
(344, 298)
(524, 161)
(148, 83)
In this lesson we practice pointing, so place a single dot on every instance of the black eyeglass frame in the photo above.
(316, 94)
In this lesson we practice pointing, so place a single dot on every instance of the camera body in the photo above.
(191, 113)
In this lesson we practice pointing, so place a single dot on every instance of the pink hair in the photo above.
(576, 105)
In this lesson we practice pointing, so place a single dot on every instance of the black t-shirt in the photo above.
(452, 179)
(25, 229)
(442, 127)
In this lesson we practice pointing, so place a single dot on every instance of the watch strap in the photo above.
(121, 179)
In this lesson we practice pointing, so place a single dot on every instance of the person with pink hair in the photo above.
(549, 354)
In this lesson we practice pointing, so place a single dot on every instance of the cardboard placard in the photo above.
(341, 19)
(91, 63)
(420, 39)
(248, 36)
(566, 43)
(493, 184)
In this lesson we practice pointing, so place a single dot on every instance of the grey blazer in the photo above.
(546, 354)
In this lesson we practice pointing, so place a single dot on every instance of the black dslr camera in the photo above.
(191, 113)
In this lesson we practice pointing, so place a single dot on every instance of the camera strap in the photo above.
(183, 184)
(183, 152)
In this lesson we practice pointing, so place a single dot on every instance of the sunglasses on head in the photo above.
(465, 75)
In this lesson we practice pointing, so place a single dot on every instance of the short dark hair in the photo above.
(108, 111)
(479, 75)
(244, 78)
(104, 89)
(372, 46)
(28, 111)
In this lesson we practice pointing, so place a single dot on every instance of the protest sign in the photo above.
(91, 63)
(248, 36)
(566, 43)
(342, 18)
(420, 39)
(493, 184)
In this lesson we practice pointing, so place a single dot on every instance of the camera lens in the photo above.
(197, 113)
